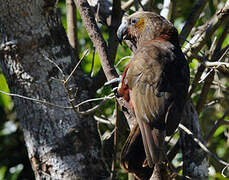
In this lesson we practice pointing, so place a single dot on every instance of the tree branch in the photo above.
(195, 164)
(218, 123)
(196, 80)
(206, 31)
(166, 10)
(72, 25)
(112, 42)
(191, 20)
(115, 22)
(127, 5)
(96, 37)
(202, 146)
(204, 92)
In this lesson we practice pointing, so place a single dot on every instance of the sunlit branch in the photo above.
(202, 146)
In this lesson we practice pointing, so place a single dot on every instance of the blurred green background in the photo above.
(14, 163)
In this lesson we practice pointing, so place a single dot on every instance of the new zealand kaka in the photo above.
(156, 81)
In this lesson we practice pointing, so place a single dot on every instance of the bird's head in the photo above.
(145, 26)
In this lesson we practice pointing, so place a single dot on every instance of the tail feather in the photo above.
(133, 155)
(151, 149)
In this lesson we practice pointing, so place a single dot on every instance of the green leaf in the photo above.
(219, 131)
(3, 172)
(5, 101)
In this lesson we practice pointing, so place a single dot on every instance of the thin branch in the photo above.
(73, 71)
(111, 96)
(141, 5)
(122, 59)
(72, 25)
(165, 12)
(96, 37)
(172, 10)
(103, 120)
(75, 107)
(94, 109)
(173, 151)
(216, 64)
(55, 64)
(191, 20)
(71, 99)
(209, 79)
(196, 80)
(222, 36)
(115, 22)
(102, 148)
(35, 100)
(206, 31)
(204, 91)
(92, 63)
(224, 169)
(225, 52)
(113, 168)
(218, 123)
(202, 146)
(127, 5)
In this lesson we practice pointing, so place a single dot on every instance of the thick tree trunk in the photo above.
(61, 145)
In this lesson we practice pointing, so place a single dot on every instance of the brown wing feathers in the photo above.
(157, 81)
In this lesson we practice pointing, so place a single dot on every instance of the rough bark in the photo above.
(60, 144)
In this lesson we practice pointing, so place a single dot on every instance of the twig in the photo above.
(207, 30)
(127, 5)
(141, 5)
(202, 146)
(93, 63)
(92, 110)
(75, 107)
(218, 123)
(211, 103)
(224, 169)
(35, 100)
(122, 59)
(195, 82)
(111, 96)
(102, 149)
(172, 153)
(165, 10)
(71, 99)
(55, 64)
(103, 120)
(222, 36)
(215, 66)
(73, 71)
(72, 25)
(204, 92)
(172, 9)
(97, 12)
(113, 169)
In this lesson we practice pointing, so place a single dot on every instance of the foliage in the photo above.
(14, 163)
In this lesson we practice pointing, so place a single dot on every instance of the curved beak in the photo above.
(122, 31)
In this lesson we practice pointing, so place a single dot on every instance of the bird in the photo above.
(155, 82)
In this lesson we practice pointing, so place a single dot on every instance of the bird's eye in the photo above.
(134, 21)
